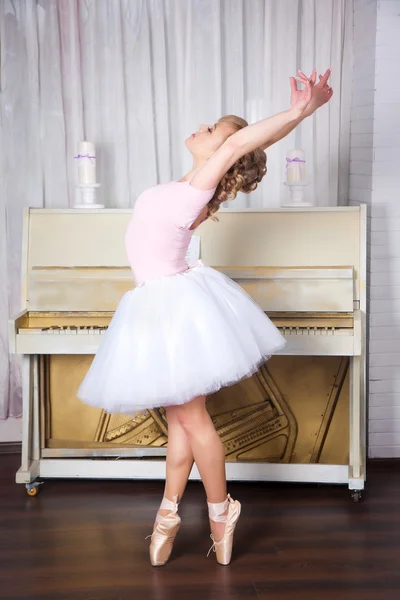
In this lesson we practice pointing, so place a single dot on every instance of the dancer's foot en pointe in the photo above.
(164, 533)
(227, 512)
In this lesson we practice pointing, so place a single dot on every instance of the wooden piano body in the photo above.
(305, 267)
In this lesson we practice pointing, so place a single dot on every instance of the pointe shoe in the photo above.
(164, 533)
(223, 548)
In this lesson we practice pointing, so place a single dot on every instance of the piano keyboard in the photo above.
(100, 330)
(307, 334)
(71, 330)
(308, 340)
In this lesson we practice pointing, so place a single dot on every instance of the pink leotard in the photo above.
(158, 234)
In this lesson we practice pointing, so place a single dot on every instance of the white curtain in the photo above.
(137, 77)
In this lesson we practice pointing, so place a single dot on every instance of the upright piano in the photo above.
(301, 418)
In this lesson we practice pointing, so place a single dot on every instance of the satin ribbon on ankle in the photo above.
(216, 510)
(168, 505)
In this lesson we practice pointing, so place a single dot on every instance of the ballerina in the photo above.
(184, 332)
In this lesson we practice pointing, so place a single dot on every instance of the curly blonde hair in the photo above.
(243, 176)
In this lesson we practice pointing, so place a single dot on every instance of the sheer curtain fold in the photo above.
(137, 77)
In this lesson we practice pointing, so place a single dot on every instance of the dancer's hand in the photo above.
(300, 99)
(321, 93)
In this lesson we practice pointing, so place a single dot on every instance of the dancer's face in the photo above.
(204, 142)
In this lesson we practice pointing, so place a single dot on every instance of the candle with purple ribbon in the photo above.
(86, 159)
(86, 190)
(295, 166)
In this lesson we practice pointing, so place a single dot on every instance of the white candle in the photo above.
(295, 166)
(86, 163)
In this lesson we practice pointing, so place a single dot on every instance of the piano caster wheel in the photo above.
(356, 495)
(32, 489)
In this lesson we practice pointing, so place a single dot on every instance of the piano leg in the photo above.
(30, 454)
(357, 416)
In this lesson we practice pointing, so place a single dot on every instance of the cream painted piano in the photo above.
(305, 267)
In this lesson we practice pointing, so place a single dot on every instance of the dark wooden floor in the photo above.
(84, 540)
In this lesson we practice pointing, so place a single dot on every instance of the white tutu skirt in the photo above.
(174, 338)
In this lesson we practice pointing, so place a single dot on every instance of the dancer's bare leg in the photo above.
(208, 453)
(179, 458)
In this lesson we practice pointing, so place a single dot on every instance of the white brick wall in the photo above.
(375, 180)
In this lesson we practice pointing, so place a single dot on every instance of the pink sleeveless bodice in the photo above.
(158, 234)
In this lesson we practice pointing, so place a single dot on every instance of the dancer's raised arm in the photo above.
(266, 132)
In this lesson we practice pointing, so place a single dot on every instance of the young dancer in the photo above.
(184, 332)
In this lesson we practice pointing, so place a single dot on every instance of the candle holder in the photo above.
(86, 196)
(297, 192)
